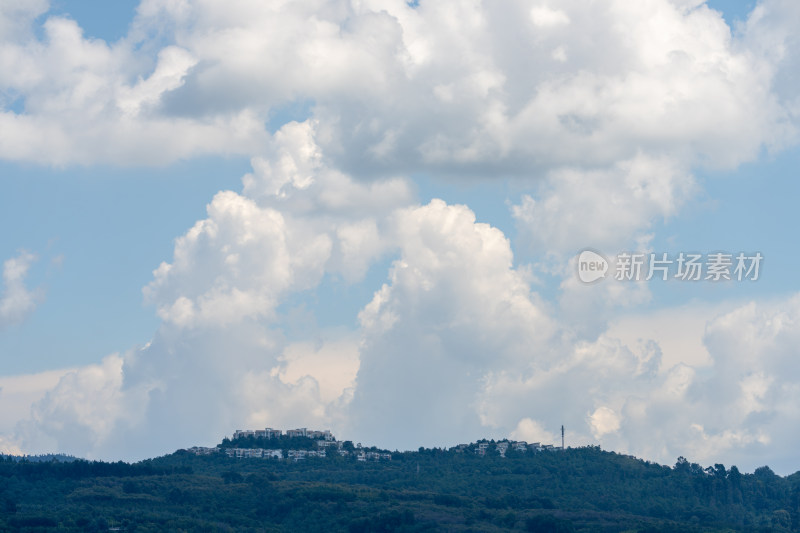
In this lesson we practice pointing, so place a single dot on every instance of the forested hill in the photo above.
(577, 489)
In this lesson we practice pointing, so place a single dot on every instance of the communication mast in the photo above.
(562, 436)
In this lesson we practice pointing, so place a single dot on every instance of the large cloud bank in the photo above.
(601, 111)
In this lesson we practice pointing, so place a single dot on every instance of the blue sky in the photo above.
(108, 21)
(733, 10)
(402, 203)
(99, 233)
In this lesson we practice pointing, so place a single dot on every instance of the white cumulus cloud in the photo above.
(603, 112)
(17, 301)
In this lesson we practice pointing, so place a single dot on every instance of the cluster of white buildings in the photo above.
(202, 450)
(481, 447)
(373, 456)
(299, 455)
(270, 433)
(267, 433)
(291, 455)
(261, 453)
(325, 441)
(253, 453)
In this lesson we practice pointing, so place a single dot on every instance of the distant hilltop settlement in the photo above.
(300, 444)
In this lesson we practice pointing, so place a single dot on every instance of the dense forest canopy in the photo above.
(577, 489)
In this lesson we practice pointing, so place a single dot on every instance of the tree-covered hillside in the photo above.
(581, 489)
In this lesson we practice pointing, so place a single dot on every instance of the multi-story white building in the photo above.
(502, 447)
(373, 456)
(200, 450)
(296, 455)
(267, 433)
(245, 453)
(323, 435)
(251, 453)
(270, 433)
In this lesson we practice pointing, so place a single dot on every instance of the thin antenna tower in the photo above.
(562, 436)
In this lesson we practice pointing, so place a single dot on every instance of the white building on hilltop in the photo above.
(202, 450)
(520, 446)
(270, 433)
